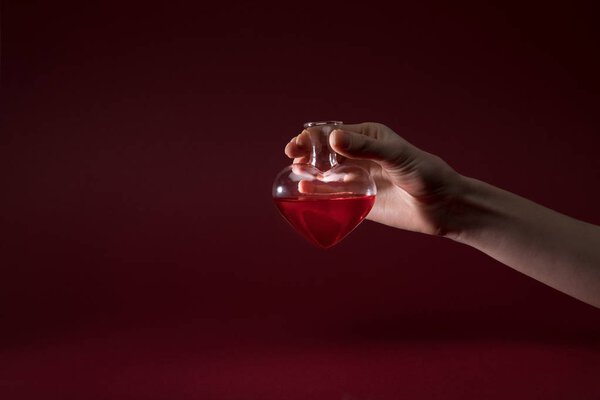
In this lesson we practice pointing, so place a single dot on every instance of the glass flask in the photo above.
(322, 199)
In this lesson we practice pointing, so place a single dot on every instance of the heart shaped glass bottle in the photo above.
(322, 199)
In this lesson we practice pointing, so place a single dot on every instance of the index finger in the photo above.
(299, 148)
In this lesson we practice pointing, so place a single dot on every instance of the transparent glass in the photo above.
(322, 199)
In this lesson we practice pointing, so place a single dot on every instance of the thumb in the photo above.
(387, 152)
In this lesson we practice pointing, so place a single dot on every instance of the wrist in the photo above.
(471, 207)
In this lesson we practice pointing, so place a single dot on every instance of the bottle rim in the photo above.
(321, 123)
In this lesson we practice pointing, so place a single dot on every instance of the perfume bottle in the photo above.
(322, 199)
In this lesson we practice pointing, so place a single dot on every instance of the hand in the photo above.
(415, 189)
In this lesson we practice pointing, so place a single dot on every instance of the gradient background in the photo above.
(141, 255)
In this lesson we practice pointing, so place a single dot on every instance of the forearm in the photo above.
(555, 249)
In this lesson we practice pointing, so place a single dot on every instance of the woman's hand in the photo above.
(415, 189)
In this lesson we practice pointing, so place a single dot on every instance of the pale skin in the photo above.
(418, 191)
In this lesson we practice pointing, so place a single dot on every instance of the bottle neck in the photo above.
(322, 155)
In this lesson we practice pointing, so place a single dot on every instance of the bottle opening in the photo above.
(320, 123)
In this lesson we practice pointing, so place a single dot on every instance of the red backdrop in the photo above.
(141, 255)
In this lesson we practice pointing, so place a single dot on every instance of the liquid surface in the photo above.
(323, 220)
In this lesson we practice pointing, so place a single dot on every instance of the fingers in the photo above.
(372, 143)
(366, 141)
(322, 187)
(299, 148)
(371, 129)
(316, 187)
(293, 150)
(345, 180)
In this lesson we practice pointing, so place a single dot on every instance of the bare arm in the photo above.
(560, 251)
(418, 191)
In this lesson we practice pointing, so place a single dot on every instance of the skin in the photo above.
(418, 191)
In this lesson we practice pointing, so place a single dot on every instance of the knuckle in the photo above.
(378, 126)
(376, 130)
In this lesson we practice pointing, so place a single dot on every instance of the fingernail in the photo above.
(340, 139)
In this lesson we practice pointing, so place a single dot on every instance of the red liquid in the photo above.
(325, 220)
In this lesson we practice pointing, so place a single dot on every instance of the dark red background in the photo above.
(141, 255)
